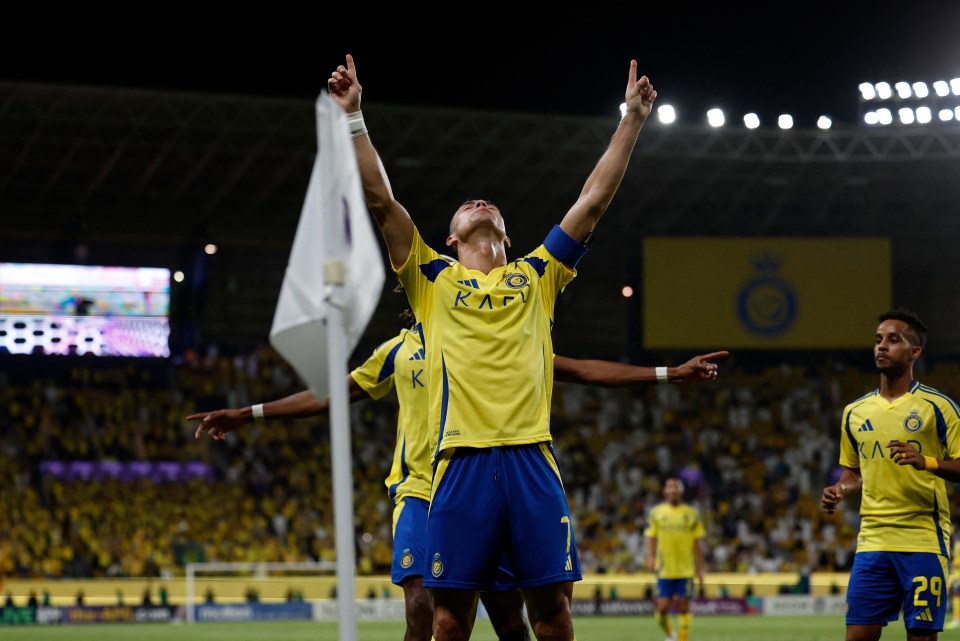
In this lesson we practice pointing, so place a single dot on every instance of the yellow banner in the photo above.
(724, 293)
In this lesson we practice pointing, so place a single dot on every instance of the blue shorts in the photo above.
(883, 583)
(409, 539)
(669, 588)
(499, 506)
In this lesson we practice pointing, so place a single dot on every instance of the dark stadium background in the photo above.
(133, 136)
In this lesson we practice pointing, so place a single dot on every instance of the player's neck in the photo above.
(483, 253)
(895, 386)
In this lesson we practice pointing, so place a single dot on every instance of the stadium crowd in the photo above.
(755, 449)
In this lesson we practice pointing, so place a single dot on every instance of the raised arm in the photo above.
(613, 374)
(605, 178)
(394, 221)
(300, 405)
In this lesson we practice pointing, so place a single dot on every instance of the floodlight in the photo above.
(906, 115)
(751, 120)
(903, 90)
(884, 117)
(924, 115)
(824, 122)
(946, 115)
(871, 118)
(884, 92)
(666, 114)
(867, 91)
(715, 117)
(785, 121)
(920, 90)
(941, 88)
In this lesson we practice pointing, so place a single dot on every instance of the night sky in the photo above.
(802, 58)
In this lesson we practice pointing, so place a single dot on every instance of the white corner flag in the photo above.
(335, 259)
(332, 285)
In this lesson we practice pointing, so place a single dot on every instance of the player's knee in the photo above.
(450, 627)
(419, 609)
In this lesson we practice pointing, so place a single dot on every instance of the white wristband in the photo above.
(357, 126)
(257, 411)
(662, 375)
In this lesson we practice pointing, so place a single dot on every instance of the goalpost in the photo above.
(231, 581)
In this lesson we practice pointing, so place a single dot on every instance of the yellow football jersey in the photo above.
(399, 364)
(488, 344)
(902, 509)
(676, 529)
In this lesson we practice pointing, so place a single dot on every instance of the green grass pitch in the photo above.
(704, 628)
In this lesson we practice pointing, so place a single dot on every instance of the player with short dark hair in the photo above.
(898, 445)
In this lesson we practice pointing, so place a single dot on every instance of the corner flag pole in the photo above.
(340, 452)
(336, 252)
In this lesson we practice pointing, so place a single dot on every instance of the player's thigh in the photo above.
(505, 609)
(543, 548)
(874, 592)
(467, 521)
(550, 604)
(454, 611)
(923, 581)
(409, 539)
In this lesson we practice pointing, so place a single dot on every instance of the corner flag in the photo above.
(335, 239)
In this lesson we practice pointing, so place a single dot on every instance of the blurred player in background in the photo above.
(897, 445)
(675, 535)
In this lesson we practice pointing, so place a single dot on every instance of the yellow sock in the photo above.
(663, 618)
(956, 607)
(683, 623)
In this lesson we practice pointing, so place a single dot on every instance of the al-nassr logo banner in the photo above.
(721, 293)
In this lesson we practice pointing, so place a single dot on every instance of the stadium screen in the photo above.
(84, 310)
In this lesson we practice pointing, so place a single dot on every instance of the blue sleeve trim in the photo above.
(387, 370)
(432, 269)
(566, 249)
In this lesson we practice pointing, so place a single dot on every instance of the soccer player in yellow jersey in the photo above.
(398, 364)
(497, 489)
(898, 445)
(487, 321)
(675, 535)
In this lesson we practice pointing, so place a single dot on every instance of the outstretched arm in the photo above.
(394, 221)
(300, 405)
(605, 178)
(613, 374)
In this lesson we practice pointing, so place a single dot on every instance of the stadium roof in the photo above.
(130, 177)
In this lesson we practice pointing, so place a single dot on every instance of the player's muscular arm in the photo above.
(300, 405)
(605, 178)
